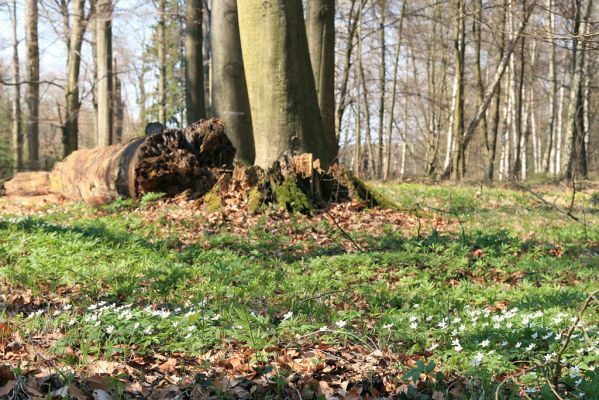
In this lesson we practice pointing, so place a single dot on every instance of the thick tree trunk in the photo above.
(17, 118)
(70, 132)
(282, 93)
(194, 61)
(320, 30)
(104, 70)
(229, 90)
(32, 74)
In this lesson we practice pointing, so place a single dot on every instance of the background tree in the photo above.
(104, 71)
(32, 75)
(194, 64)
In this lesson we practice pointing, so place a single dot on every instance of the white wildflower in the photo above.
(216, 317)
(414, 325)
(388, 326)
(149, 330)
(530, 347)
(109, 329)
(485, 343)
(518, 345)
(477, 359)
(340, 323)
(287, 315)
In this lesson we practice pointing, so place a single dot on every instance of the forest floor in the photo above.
(465, 292)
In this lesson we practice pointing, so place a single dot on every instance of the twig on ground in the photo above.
(558, 364)
(344, 232)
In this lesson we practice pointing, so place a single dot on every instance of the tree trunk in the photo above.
(70, 132)
(394, 91)
(32, 74)
(104, 70)
(549, 149)
(574, 163)
(281, 87)
(492, 143)
(382, 88)
(320, 30)
(518, 122)
(118, 105)
(349, 45)
(229, 90)
(17, 118)
(162, 62)
(194, 60)
(457, 171)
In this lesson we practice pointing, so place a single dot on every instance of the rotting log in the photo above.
(172, 162)
(28, 184)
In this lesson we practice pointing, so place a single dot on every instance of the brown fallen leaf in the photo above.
(168, 366)
(77, 393)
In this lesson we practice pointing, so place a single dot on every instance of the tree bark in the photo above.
(320, 30)
(394, 91)
(32, 74)
(382, 88)
(574, 163)
(229, 89)
(457, 170)
(281, 87)
(194, 60)
(104, 70)
(70, 132)
(17, 118)
(118, 105)
(492, 143)
(551, 131)
(162, 62)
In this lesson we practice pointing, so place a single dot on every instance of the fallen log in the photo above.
(28, 184)
(171, 161)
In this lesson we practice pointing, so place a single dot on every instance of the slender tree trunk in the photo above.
(347, 63)
(229, 90)
(557, 158)
(104, 68)
(17, 118)
(457, 171)
(518, 122)
(70, 133)
(492, 142)
(394, 91)
(358, 156)
(450, 134)
(194, 63)
(32, 74)
(320, 29)
(281, 90)
(371, 161)
(382, 87)
(162, 62)
(549, 149)
(574, 162)
(118, 105)
(478, 73)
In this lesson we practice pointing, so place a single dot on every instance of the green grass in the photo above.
(494, 294)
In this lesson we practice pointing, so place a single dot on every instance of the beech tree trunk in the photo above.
(282, 93)
(17, 121)
(70, 132)
(104, 71)
(229, 89)
(320, 30)
(194, 61)
(32, 74)
(162, 62)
